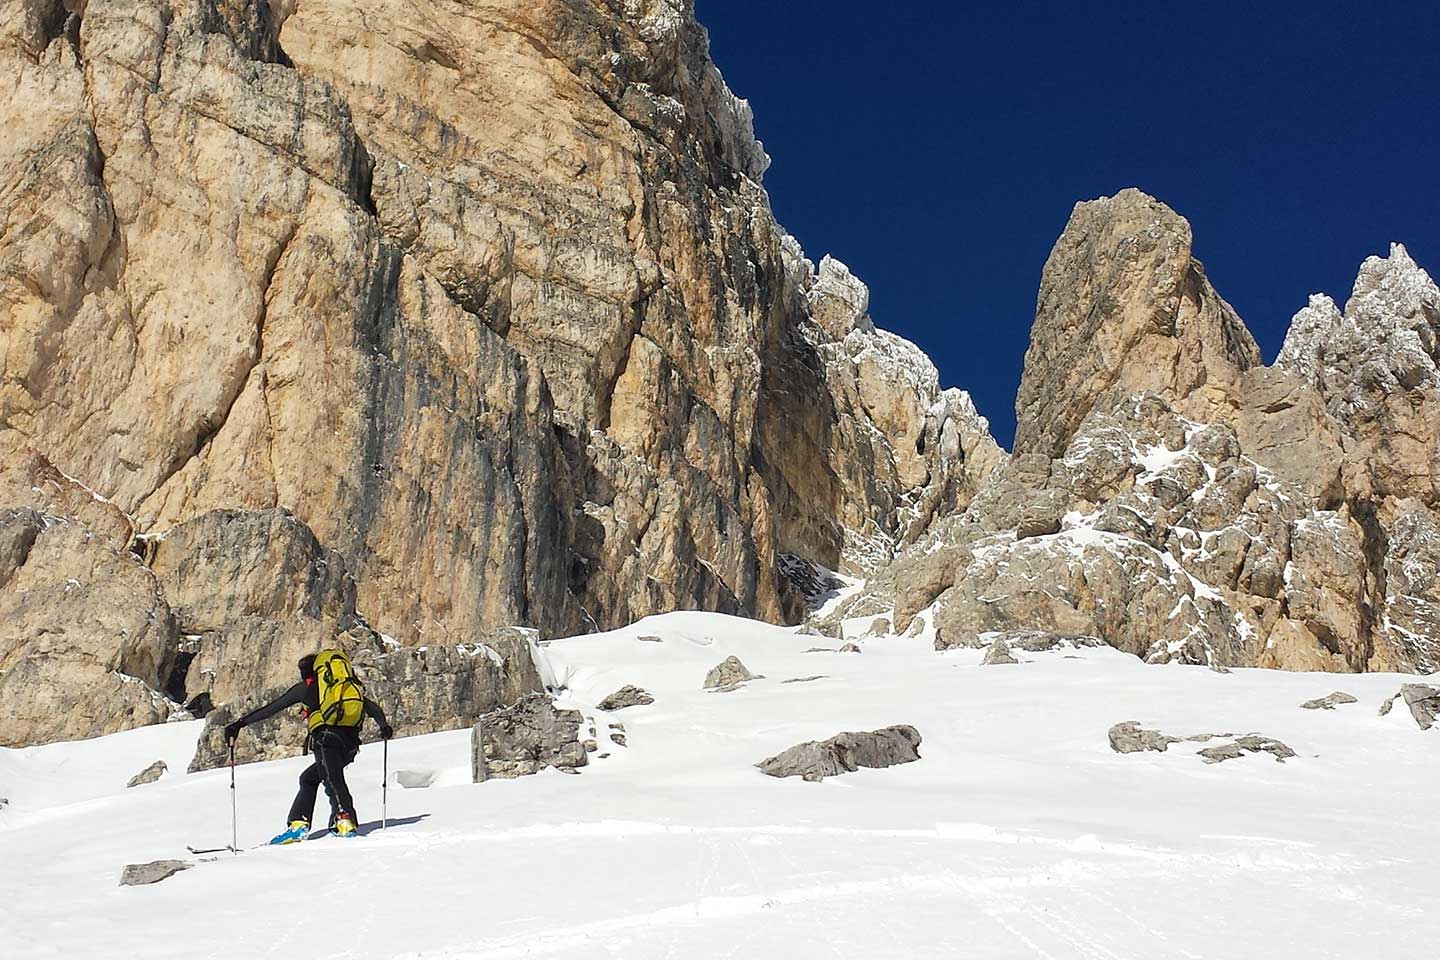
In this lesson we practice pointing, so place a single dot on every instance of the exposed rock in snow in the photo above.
(879, 627)
(1130, 737)
(1036, 641)
(998, 653)
(1329, 701)
(149, 775)
(527, 738)
(1423, 701)
(727, 675)
(626, 696)
(1244, 745)
(1159, 535)
(139, 874)
(815, 760)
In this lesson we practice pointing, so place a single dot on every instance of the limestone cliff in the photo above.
(480, 306)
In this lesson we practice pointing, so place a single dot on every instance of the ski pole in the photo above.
(385, 786)
(234, 815)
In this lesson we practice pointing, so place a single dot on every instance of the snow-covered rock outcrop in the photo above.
(1377, 367)
(1228, 513)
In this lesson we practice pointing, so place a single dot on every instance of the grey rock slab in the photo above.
(139, 874)
(149, 775)
(1130, 737)
(998, 653)
(1247, 744)
(819, 676)
(850, 648)
(626, 696)
(1039, 641)
(1423, 701)
(1329, 701)
(815, 760)
(526, 738)
(727, 675)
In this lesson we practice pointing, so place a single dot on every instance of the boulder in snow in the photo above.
(998, 653)
(879, 627)
(1249, 744)
(139, 874)
(1328, 702)
(1423, 701)
(815, 760)
(849, 648)
(526, 738)
(1129, 737)
(727, 675)
(626, 696)
(149, 775)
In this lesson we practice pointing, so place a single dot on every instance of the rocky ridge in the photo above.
(1171, 495)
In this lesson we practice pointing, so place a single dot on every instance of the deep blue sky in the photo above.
(938, 148)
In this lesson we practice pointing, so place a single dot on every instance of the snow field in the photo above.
(1018, 834)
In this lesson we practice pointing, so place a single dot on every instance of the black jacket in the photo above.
(307, 694)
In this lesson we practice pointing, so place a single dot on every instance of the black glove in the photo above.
(232, 731)
(386, 731)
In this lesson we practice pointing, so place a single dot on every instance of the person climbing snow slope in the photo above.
(335, 707)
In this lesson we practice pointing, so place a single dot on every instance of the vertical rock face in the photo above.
(1124, 308)
(485, 307)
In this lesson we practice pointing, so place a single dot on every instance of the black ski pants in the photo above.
(334, 748)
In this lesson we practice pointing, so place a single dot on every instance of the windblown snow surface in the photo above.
(1019, 833)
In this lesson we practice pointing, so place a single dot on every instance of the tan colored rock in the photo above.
(1124, 308)
(496, 307)
(1377, 368)
(86, 639)
(254, 591)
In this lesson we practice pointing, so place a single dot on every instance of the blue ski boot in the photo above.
(297, 831)
(345, 827)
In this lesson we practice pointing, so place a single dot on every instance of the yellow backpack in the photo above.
(342, 695)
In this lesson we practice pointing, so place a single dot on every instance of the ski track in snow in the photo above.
(1019, 833)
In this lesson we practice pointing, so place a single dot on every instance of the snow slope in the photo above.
(1018, 834)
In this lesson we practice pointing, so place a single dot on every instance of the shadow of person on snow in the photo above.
(373, 826)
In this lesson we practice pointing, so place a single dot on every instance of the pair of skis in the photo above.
(234, 845)
(198, 851)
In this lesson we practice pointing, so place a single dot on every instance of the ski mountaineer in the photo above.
(335, 706)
